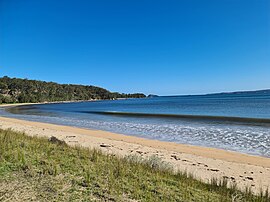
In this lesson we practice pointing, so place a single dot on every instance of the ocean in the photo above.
(235, 122)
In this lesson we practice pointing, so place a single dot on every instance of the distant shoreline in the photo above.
(64, 101)
(60, 102)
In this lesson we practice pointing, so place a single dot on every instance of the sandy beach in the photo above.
(204, 163)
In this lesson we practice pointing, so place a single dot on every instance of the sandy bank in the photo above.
(204, 163)
(38, 103)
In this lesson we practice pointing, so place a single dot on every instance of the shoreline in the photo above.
(208, 152)
(61, 102)
(235, 156)
(40, 103)
(203, 162)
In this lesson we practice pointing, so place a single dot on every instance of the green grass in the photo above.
(35, 169)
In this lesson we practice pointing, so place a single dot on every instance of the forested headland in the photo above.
(16, 90)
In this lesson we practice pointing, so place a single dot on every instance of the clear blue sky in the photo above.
(162, 47)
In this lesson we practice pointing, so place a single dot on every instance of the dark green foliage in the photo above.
(14, 90)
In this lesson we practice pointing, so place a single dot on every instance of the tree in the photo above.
(24, 90)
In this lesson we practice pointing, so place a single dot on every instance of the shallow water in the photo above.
(233, 122)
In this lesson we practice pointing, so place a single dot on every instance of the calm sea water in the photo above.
(210, 119)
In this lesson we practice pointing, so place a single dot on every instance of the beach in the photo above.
(202, 162)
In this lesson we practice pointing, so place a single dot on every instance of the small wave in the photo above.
(252, 121)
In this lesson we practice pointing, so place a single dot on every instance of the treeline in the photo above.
(14, 90)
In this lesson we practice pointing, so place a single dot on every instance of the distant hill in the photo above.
(15, 90)
(254, 92)
(152, 96)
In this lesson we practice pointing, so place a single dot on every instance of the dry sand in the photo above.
(204, 163)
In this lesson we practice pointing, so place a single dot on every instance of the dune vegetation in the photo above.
(38, 169)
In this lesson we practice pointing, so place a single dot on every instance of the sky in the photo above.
(155, 47)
